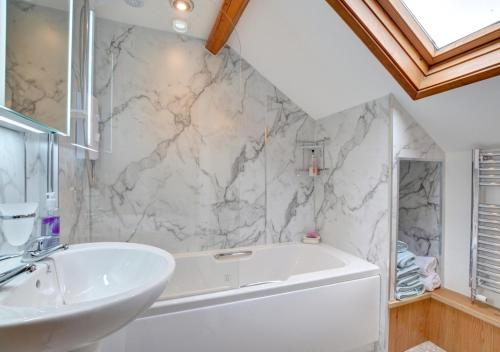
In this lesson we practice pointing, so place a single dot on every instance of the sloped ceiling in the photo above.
(307, 51)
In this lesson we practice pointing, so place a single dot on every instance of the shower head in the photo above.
(135, 3)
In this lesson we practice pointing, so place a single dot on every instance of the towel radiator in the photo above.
(485, 239)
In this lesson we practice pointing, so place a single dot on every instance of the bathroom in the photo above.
(242, 175)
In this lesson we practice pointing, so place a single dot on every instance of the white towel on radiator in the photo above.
(427, 265)
(431, 282)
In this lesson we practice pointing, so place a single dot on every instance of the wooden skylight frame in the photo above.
(392, 34)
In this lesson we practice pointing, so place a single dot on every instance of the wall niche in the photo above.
(420, 206)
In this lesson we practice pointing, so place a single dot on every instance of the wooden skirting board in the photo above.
(446, 318)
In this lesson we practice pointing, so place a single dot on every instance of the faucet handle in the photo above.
(37, 244)
(40, 248)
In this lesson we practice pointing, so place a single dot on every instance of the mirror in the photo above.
(37, 57)
(28, 167)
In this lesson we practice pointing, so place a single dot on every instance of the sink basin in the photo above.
(78, 296)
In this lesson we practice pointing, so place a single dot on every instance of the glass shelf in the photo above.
(14, 120)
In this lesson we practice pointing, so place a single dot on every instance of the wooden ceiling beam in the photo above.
(229, 15)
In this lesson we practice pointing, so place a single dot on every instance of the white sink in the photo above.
(80, 295)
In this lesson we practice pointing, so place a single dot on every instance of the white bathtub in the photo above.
(278, 298)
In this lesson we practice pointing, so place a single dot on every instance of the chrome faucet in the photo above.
(38, 249)
(12, 273)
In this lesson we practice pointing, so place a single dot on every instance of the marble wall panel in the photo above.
(419, 223)
(198, 151)
(352, 197)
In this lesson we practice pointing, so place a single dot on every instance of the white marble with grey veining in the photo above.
(73, 193)
(419, 223)
(410, 140)
(190, 165)
(11, 166)
(352, 197)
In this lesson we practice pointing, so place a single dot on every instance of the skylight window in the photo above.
(446, 21)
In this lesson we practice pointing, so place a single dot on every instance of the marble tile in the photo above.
(289, 195)
(420, 224)
(73, 193)
(410, 140)
(198, 151)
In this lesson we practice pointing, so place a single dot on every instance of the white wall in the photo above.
(457, 221)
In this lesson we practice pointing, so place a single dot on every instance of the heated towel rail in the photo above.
(485, 240)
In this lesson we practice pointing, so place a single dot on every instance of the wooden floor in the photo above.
(447, 319)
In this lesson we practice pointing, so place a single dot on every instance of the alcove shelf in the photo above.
(310, 148)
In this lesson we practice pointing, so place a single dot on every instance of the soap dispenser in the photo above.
(50, 222)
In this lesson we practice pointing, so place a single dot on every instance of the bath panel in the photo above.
(332, 307)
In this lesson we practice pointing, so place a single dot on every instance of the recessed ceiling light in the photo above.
(182, 5)
(180, 26)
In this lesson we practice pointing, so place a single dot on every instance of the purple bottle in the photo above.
(50, 223)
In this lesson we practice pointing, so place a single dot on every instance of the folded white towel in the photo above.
(431, 282)
(427, 265)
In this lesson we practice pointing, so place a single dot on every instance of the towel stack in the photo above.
(427, 270)
(408, 281)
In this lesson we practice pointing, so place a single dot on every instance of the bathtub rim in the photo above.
(355, 268)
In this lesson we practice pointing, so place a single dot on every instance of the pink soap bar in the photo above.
(312, 234)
